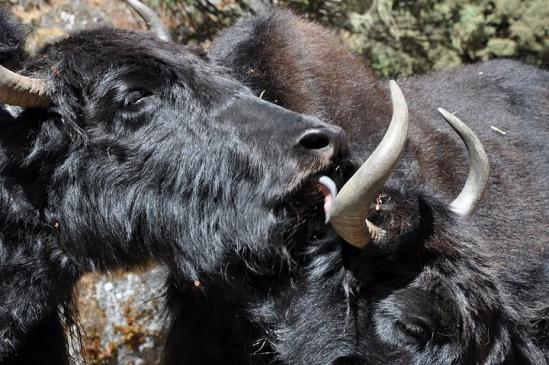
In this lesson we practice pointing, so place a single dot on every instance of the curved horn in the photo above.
(353, 202)
(152, 19)
(469, 197)
(21, 90)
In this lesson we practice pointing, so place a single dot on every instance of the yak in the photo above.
(406, 273)
(124, 148)
(118, 148)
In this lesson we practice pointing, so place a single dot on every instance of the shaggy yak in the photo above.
(414, 276)
(118, 148)
(126, 148)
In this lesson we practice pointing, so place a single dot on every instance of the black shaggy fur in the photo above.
(440, 289)
(146, 153)
(150, 152)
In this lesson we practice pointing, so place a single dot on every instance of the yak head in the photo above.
(124, 147)
(408, 278)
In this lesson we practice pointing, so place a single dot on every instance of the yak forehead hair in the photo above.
(73, 66)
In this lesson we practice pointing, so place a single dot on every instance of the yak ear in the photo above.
(23, 191)
(29, 150)
(20, 181)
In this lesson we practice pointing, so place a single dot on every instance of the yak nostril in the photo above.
(315, 139)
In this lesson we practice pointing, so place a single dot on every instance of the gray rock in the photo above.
(121, 318)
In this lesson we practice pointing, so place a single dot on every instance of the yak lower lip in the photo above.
(328, 188)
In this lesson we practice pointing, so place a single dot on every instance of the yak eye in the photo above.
(136, 97)
(416, 329)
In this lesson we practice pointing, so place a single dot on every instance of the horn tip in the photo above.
(393, 85)
(445, 113)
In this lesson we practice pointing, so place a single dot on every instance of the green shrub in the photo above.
(401, 36)
(396, 36)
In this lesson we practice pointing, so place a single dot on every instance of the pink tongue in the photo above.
(328, 201)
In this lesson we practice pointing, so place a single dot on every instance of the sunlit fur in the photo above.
(440, 289)
(146, 153)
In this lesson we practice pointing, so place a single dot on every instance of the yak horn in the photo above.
(23, 91)
(152, 19)
(469, 197)
(352, 204)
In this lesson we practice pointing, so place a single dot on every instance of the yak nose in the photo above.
(324, 141)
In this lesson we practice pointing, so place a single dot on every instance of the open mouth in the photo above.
(304, 210)
(313, 201)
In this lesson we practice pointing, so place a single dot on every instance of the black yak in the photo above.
(118, 148)
(425, 278)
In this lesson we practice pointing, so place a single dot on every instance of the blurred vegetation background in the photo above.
(397, 37)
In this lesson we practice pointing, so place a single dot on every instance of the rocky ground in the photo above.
(120, 315)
